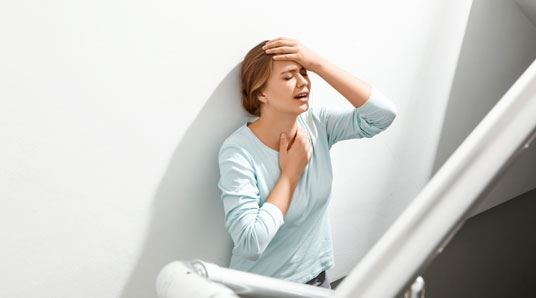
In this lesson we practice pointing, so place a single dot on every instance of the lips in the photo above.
(302, 96)
(303, 99)
(302, 93)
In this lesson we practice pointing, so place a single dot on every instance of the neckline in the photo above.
(257, 139)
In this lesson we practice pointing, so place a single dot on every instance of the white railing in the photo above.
(176, 279)
(418, 234)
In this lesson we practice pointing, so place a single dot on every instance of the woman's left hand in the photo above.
(287, 48)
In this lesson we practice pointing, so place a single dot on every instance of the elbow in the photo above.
(392, 116)
(253, 233)
(394, 112)
(255, 238)
(250, 247)
(380, 126)
(385, 123)
(251, 253)
(252, 256)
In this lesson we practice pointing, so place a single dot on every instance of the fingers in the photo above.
(281, 50)
(288, 57)
(301, 136)
(279, 42)
(279, 39)
(300, 133)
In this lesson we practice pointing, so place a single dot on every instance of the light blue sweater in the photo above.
(298, 247)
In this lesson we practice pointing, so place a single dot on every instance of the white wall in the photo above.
(112, 114)
(499, 45)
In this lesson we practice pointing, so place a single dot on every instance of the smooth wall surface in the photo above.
(499, 45)
(112, 114)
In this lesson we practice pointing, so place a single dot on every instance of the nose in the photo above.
(302, 80)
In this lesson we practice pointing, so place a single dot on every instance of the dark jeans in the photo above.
(321, 280)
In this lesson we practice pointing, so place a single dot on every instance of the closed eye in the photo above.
(303, 74)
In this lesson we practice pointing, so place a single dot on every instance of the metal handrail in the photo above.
(417, 235)
(243, 283)
(197, 278)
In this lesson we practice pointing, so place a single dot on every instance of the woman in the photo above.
(275, 172)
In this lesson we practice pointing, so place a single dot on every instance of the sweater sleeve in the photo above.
(250, 225)
(371, 118)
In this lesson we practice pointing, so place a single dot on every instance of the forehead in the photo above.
(280, 66)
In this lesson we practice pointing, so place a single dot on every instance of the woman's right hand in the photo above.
(293, 160)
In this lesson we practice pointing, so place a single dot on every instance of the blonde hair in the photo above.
(256, 69)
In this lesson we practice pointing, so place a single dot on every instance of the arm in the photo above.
(373, 112)
(352, 88)
(282, 193)
(292, 163)
(365, 121)
(251, 226)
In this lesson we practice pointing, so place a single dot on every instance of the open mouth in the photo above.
(302, 96)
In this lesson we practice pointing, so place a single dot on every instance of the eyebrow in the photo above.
(292, 69)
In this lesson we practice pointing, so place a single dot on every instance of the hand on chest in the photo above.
(312, 192)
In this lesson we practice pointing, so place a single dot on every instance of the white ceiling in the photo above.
(529, 8)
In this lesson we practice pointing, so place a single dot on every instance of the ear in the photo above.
(262, 98)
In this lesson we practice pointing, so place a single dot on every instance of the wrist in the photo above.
(291, 179)
(318, 65)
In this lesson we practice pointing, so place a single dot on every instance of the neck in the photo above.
(270, 127)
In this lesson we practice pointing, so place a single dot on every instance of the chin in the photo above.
(304, 107)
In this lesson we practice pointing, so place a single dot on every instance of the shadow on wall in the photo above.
(188, 216)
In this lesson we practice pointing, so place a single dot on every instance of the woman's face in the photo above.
(286, 81)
